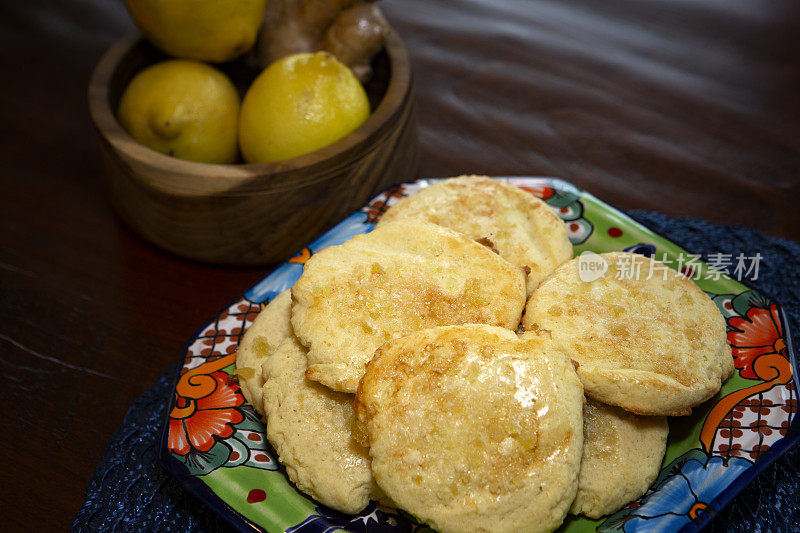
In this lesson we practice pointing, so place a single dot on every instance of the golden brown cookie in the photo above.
(622, 455)
(474, 429)
(271, 327)
(401, 277)
(522, 228)
(652, 346)
(310, 426)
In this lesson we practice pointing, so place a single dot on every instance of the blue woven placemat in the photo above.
(130, 492)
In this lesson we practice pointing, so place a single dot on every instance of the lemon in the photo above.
(208, 30)
(183, 108)
(299, 104)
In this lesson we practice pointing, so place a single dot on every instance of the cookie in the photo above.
(647, 339)
(401, 277)
(622, 455)
(522, 228)
(474, 429)
(271, 327)
(310, 427)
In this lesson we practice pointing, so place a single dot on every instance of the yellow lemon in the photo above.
(209, 30)
(299, 104)
(183, 108)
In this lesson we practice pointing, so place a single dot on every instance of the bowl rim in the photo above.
(169, 173)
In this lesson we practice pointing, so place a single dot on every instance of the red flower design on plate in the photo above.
(760, 353)
(758, 334)
(542, 191)
(194, 422)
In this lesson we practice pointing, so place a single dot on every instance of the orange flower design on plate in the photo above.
(760, 353)
(195, 422)
(758, 334)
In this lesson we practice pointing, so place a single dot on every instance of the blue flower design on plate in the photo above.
(373, 519)
(683, 494)
(643, 248)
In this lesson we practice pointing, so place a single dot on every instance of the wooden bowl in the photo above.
(252, 214)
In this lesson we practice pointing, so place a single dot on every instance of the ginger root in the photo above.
(352, 30)
(355, 36)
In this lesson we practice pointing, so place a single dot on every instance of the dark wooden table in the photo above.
(690, 108)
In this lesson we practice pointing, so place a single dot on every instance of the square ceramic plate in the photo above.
(214, 443)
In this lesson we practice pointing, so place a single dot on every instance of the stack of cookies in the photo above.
(453, 364)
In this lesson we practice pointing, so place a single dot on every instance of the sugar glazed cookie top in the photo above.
(401, 277)
(652, 344)
(622, 455)
(522, 228)
(474, 429)
(271, 327)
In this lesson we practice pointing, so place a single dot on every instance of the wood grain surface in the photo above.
(687, 107)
